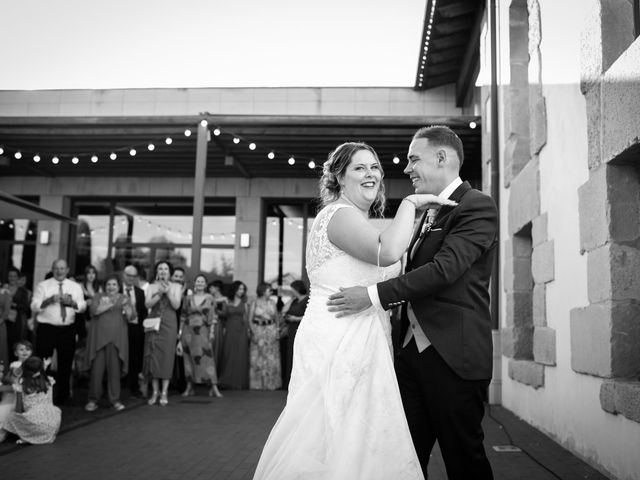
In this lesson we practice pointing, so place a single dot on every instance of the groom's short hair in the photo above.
(442, 136)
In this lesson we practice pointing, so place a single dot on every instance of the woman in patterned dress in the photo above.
(36, 420)
(264, 350)
(196, 333)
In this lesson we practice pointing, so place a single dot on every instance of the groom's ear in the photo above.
(441, 155)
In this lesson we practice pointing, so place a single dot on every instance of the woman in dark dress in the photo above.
(163, 298)
(20, 311)
(293, 313)
(235, 347)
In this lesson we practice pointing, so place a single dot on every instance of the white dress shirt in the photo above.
(52, 313)
(415, 330)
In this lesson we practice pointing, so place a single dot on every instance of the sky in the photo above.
(65, 44)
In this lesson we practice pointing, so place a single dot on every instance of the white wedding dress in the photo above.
(344, 418)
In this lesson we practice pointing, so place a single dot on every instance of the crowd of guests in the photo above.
(172, 332)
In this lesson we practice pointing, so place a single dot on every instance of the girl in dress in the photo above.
(36, 420)
(22, 350)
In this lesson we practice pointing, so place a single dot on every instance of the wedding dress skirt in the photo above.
(343, 419)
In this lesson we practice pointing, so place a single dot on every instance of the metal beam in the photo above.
(470, 62)
(198, 196)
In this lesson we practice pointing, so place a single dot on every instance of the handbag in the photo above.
(151, 324)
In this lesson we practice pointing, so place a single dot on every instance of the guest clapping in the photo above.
(264, 350)
(107, 343)
(163, 299)
(196, 333)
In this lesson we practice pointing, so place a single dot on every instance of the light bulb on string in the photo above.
(204, 123)
(187, 133)
(396, 160)
(1, 150)
(252, 146)
(168, 141)
(75, 160)
(18, 155)
(473, 125)
(151, 147)
(94, 159)
(271, 155)
(36, 158)
(312, 164)
(236, 140)
(216, 132)
(113, 156)
(132, 152)
(291, 160)
(55, 160)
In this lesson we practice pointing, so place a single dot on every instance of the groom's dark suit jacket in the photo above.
(447, 283)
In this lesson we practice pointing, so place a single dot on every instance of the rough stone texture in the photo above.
(537, 106)
(621, 396)
(539, 229)
(539, 302)
(517, 275)
(527, 372)
(592, 197)
(519, 308)
(613, 273)
(525, 197)
(543, 263)
(594, 126)
(517, 342)
(605, 339)
(544, 345)
(599, 274)
(617, 30)
(623, 192)
(591, 46)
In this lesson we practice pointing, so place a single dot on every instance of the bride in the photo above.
(344, 419)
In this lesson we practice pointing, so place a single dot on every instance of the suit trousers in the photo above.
(106, 359)
(62, 339)
(135, 333)
(442, 406)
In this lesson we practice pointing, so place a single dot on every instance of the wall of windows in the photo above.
(18, 245)
(113, 234)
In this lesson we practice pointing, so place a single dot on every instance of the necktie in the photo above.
(129, 291)
(63, 309)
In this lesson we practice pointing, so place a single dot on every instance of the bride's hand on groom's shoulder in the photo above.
(349, 301)
(427, 200)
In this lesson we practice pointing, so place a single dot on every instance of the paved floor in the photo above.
(221, 439)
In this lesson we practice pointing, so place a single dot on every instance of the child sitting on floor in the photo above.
(35, 420)
(22, 349)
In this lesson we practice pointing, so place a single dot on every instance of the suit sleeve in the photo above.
(472, 234)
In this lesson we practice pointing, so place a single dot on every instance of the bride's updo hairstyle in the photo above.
(334, 168)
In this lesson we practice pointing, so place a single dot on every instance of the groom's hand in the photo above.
(349, 301)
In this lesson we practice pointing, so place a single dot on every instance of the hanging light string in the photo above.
(133, 149)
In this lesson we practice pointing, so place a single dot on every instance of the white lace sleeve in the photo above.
(319, 247)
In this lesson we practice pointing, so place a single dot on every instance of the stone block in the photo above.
(605, 339)
(625, 272)
(592, 206)
(591, 340)
(621, 396)
(517, 275)
(524, 203)
(623, 200)
(544, 345)
(594, 126)
(527, 372)
(599, 274)
(519, 308)
(539, 305)
(506, 341)
(518, 246)
(539, 232)
(543, 262)
(617, 30)
(538, 122)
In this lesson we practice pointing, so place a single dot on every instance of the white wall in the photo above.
(568, 406)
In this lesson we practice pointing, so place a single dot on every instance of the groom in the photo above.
(444, 360)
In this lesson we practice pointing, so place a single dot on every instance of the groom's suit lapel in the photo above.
(442, 214)
(416, 237)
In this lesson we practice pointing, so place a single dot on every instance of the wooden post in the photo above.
(200, 175)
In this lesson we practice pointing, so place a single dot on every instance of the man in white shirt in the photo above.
(55, 304)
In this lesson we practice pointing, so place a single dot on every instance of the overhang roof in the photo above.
(305, 137)
(14, 207)
(449, 48)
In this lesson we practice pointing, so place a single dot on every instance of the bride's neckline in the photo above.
(344, 200)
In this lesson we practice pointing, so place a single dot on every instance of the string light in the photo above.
(271, 155)
(75, 160)
(312, 164)
(425, 48)
(291, 160)
(472, 125)
(236, 140)
(187, 133)
(216, 132)
(252, 146)
(55, 160)
(1, 150)
(168, 141)
(36, 158)
(132, 152)
(204, 124)
(18, 155)
(396, 160)
(94, 159)
(151, 147)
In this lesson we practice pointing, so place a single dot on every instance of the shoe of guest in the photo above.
(163, 400)
(153, 398)
(118, 406)
(91, 406)
(214, 392)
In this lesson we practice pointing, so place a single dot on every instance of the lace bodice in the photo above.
(330, 268)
